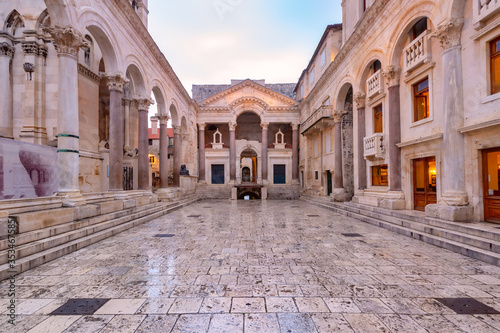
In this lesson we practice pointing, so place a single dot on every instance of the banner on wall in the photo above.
(27, 170)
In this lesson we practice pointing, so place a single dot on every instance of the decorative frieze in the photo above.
(449, 34)
(33, 48)
(88, 73)
(67, 40)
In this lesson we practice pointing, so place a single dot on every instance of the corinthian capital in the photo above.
(67, 40)
(116, 81)
(360, 99)
(449, 33)
(163, 118)
(143, 103)
(392, 75)
(338, 115)
(6, 50)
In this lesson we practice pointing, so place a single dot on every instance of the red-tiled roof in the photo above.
(170, 133)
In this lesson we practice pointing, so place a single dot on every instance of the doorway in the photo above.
(424, 182)
(491, 175)
(329, 183)
(218, 174)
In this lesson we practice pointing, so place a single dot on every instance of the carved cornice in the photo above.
(337, 115)
(392, 75)
(116, 81)
(249, 99)
(249, 83)
(6, 50)
(291, 109)
(360, 99)
(367, 22)
(67, 40)
(88, 73)
(449, 33)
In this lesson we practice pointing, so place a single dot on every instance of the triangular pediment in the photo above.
(248, 91)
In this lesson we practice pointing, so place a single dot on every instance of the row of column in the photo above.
(232, 151)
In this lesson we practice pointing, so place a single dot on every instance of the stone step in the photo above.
(454, 242)
(50, 248)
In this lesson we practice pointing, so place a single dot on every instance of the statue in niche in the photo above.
(184, 171)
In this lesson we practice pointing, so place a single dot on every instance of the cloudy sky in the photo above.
(214, 41)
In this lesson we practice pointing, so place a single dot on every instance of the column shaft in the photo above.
(115, 140)
(163, 153)
(143, 155)
(177, 155)
(361, 149)
(232, 153)
(338, 180)
(201, 163)
(6, 115)
(295, 152)
(394, 114)
(264, 151)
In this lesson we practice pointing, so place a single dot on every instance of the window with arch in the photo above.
(375, 67)
(418, 28)
(495, 65)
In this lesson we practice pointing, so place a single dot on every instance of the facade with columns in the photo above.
(80, 79)
(404, 98)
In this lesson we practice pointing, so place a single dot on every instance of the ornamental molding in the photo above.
(143, 103)
(89, 74)
(248, 83)
(115, 82)
(249, 99)
(392, 75)
(337, 115)
(6, 50)
(449, 33)
(67, 40)
(360, 99)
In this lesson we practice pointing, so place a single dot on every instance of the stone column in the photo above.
(177, 155)
(126, 114)
(295, 152)
(68, 41)
(361, 162)
(339, 193)
(6, 115)
(201, 163)
(232, 151)
(115, 84)
(143, 104)
(454, 202)
(265, 127)
(163, 118)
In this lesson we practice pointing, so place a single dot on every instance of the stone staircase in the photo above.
(48, 231)
(288, 192)
(203, 191)
(476, 240)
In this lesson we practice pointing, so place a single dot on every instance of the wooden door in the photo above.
(218, 174)
(424, 182)
(491, 175)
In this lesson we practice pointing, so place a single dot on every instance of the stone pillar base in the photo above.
(450, 213)
(339, 195)
(263, 193)
(393, 204)
(72, 199)
(234, 193)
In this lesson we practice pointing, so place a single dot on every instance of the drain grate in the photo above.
(352, 235)
(194, 215)
(80, 306)
(164, 235)
(467, 306)
(313, 215)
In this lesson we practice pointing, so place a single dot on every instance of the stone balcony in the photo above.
(374, 146)
(374, 85)
(417, 53)
(483, 10)
(319, 119)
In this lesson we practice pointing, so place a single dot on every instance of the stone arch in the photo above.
(456, 9)
(62, 13)
(184, 126)
(364, 70)
(13, 23)
(43, 20)
(174, 114)
(136, 77)
(345, 99)
(246, 104)
(160, 99)
(248, 126)
(106, 46)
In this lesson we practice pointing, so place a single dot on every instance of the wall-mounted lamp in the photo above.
(29, 68)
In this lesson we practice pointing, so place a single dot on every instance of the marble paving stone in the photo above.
(239, 291)
(123, 324)
(156, 306)
(401, 323)
(226, 323)
(366, 323)
(296, 323)
(265, 290)
(469, 323)
(120, 307)
(372, 305)
(158, 323)
(192, 323)
(216, 305)
(23, 323)
(89, 324)
(311, 305)
(342, 305)
(403, 306)
(261, 322)
(280, 304)
(186, 305)
(492, 320)
(289, 291)
(29, 306)
(248, 305)
(54, 324)
(436, 323)
(331, 322)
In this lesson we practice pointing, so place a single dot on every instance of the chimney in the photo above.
(154, 125)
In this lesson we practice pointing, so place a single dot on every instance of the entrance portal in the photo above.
(329, 184)
(248, 164)
(424, 182)
(491, 174)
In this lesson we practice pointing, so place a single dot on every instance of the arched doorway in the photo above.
(248, 166)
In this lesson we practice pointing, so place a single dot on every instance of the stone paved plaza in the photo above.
(276, 266)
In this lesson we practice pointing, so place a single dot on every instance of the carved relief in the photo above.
(162, 118)
(67, 40)
(360, 99)
(338, 115)
(143, 103)
(116, 81)
(392, 74)
(449, 33)
(6, 50)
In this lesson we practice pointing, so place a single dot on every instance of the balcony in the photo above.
(320, 119)
(374, 146)
(483, 10)
(374, 85)
(417, 53)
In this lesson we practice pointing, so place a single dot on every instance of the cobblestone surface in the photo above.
(257, 267)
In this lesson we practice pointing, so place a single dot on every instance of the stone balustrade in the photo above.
(374, 85)
(324, 111)
(417, 53)
(483, 10)
(374, 146)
